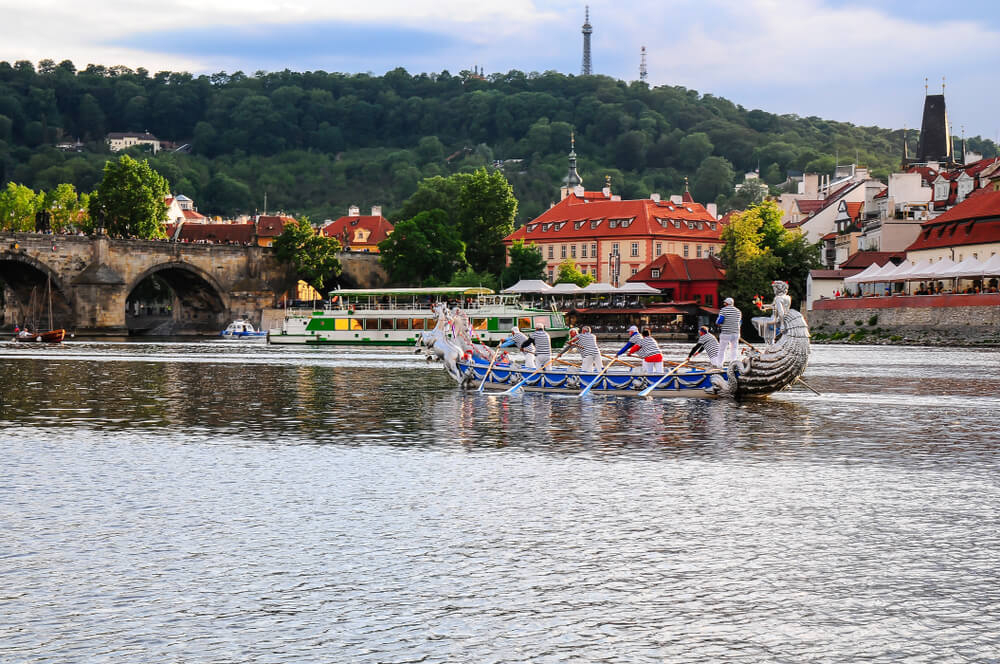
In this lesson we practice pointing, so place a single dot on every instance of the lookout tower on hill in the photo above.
(587, 31)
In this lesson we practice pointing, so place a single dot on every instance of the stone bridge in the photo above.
(92, 278)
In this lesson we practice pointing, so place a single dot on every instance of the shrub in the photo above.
(895, 337)
(837, 336)
(858, 322)
(858, 336)
(873, 319)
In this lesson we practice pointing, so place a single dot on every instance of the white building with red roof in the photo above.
(589, 227)
(358, 232)
(971, 228)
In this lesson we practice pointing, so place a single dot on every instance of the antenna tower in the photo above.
(642, 64)
(587, 31)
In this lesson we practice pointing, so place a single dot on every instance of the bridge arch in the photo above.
(194, 303)
(24, 283)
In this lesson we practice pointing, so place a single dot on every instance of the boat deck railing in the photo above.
(397, 306)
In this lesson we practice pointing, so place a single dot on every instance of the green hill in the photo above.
(317, 142)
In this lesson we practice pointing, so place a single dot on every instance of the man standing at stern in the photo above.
(729, 321)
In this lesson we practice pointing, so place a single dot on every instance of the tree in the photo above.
(423, 249)
(568, 273)
(18, 205)
(479, 207)
(129, 202)
(470, 278)
(310, 253)
(714, 177)
(64, 205)
(759, 250)
(526, 262)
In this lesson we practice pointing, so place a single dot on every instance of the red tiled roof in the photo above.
(574, 218)
(217, 233)
(882, 194)
(272, 225)
(862, 259)
(808, 205)
(854, 210)
(829, 236)
(191, 215)
(674, 268)
(833, 274)
(343, 229)
(957, 234)
(927, 174)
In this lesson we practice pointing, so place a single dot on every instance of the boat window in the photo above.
(417, 323)
(479, 323)
(542, 320)
(506, 323)
(402, 323)
(341, 323)
(387, 323)
(524, 323)
(371, 323)
(555, 321)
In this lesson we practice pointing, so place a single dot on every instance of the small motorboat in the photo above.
(51, 337)
(241, 328)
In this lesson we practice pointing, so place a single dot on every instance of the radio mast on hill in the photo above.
(587, 31)
(642, 65)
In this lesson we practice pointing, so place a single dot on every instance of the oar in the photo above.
(538, 371)
(598, 376)
(489, 370)
(665, 376)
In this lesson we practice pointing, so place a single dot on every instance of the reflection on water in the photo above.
(239, 502)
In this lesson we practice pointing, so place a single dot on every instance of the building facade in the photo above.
(122, 140)
(358, 232)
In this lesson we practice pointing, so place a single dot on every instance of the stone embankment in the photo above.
(915, 319)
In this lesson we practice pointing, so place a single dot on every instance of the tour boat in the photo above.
(758, 373)
(241, 328)
(401, 316)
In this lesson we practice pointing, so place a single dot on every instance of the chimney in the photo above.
(376, 210)
(655, 198)
(354, 211)
(578, 191)
(677, 199)
(713, 210)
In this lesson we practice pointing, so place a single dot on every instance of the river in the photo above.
(211, 501)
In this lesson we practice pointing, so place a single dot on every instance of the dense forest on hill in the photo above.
(317, 142)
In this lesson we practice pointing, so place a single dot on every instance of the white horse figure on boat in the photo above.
(438, 345)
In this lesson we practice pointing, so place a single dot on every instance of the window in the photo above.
(593, 250)
(677, 223)
(532, 227)
(697, 251)
(572, 251)
(655, 274)
(685, 251)
(659, 248)
(545, 228)
(614, 247)
(594, 223)
(635, 249)
(562, 251)
(577, 225)
(551, 274)
(612, 223)
(634, 270)
(708, 300)
(583, 251)
(551, 255)
(713, 228)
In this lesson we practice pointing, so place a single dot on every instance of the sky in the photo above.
(856, 61)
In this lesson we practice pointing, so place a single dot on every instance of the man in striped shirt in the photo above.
(729, 321)
(586, 343)
(649, 351)
(519, 340)
(543, 345)
(707, 343)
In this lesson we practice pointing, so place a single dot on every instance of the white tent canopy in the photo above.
(906, 270)
(991, 268)
(862, 276)
(564, 288)
(599, 288)
(529, 286)
(935, 271)
(970, 267)
(892, 272)
(638, 288)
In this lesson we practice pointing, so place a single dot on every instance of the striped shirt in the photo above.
(543, 345)
(586, 343)
(729, 320)
(648, 347)
(518, 338)
(707, 343)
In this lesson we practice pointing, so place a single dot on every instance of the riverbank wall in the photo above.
(913, 319)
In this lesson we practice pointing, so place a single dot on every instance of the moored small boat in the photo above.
(241, 328)
(51, 337)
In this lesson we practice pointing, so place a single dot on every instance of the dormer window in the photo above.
(677, 223)
(577, 225)
(688, 209)
(594, 223)
(712, 225)
(545, 228)
(690, 225)
(532, 227)
(655, 274)
(612, 223)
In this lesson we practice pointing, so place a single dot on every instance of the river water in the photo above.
(234, 502)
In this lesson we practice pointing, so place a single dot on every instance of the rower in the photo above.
(708, 343)
(586, 343)
(519, 340)
(633, 339)
(543, 344)
(649, 351)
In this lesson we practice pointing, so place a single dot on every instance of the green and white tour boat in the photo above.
(399, 316)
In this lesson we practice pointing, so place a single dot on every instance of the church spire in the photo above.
(573, 179)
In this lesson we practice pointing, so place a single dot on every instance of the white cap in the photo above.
(632, 328)
(514, 329)
(539, 326)
(729, 300)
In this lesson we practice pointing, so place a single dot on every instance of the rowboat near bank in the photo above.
(401, 317)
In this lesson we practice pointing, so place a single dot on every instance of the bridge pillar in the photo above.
(100, 295)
